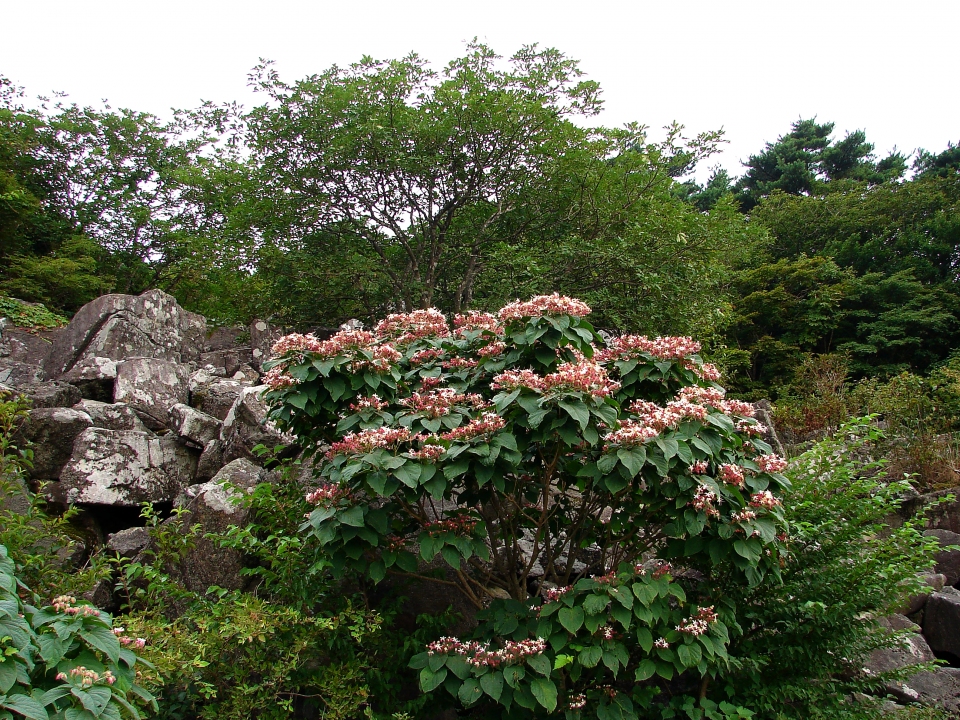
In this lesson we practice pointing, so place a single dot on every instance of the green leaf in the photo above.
(545, 692)
(492, 684)
(571, 618)
(352, 516)
(378, 570)
(103, 639)
(24, 705)
(590, 656)
(577, 410)
(595, 604)
(430, 680)
(408, 474)
(452, 556)
(668, 445)
(632, 459)
(8, 674)
(513, 675)
(606, 463)
(645, 670)
(470, 691)
(95, 699)
(540, 663)
(644, 639)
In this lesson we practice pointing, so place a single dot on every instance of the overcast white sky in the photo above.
(749, 66)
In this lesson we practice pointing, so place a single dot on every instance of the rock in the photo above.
(211, 460)
(126, 468)
(262, 338)
(217, 397)
(215, 506)
(941, 622)
(226, 338)
(101, 596)
(935, 582)
(50, 394)
(246, 375)
(122, 326)
(129, 542)
(111, 416)
(151, 387)
(94, 377)
(940, 688)
(948, 561)
(194, 425)
(765, 417)
(52, 431)
(15, 497)
(30, 347)
(228, 361)
(247, 426)
(15, 373)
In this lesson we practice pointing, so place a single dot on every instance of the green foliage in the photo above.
(805, 640)
(29, 315)
(459, 447)
(65, 660)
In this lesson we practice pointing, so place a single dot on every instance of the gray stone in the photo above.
(211, 460)
(30, 347)
(765, 417)
(936, 582)
(225, 338)
(126, 468)
(52, 432)
(228, 361)
(246, 375)
(941, 622)
(111, 416)
(948, 561)
(50, 394)
(122, 326)
(247, 426)
(14, 496)
(215, 506)
(94, 377)
(939, 688)
(262, 337)
(151, 387)
(194, 425)
(217, 397)
(129, 542)
(15, 374)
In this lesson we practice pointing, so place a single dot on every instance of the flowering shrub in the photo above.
(65, 660)
(542, 464)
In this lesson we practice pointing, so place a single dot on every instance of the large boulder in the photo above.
(111, 416)
(122, 326)
(128, 543)
(126, 468)
(940, 688)
(941, 622)
(151, 387)
(26, 346)
(15, 373)
(246, 426)
(94, 377)
(226, 338)
(50, 394)
(193, 425)
(948, 561)
(226, 362)
(51, 432)
(215, 506)
(215, 397)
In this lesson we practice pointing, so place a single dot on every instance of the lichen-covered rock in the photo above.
(226, 338)
(948, 561)
(941, 622)
(15, 374)
(227, 362)
(246, 426)
(194, 425)
(151, 387)
(211, 460)
(216, 397)
(129, 542)
(126, 468)
(940, 688)
(111, 416)
(94, 377)
(14, 497)
(262, 337)
(51, 431)
(215, 506)
(122, 326)
(50, 394)
(31, 347)
(935, 582)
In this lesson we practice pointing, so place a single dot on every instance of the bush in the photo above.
(523, 441)
(805, 640)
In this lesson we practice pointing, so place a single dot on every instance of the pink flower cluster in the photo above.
(707, 371)
(428, 453)
(743, 516)
(327, 495)
(487, 424)
(88, 678)
(732, 474)
(416, 325)
(630, 433)
(606, 632)
(461, 524)
(660, 348)
(771, 463)
(366, 441)
(764, 499)
(437, 403)
(751, 428)
(474, 320)
(715, 398)
(277, 378)
(554, 594)
(699, 467)
(661, 418)
(424, 356)
(699, 623)
(458, 363)
(374, 402)
(296, 342)
(705, 499)
(383, 357)
(544, 305)
(581, 376)
(428, 383)
(479, 654)
(661, 643)
(513, 379)
(67, 604)
(126, 641)
(577, 702)
(492, 350)
(339, 344)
